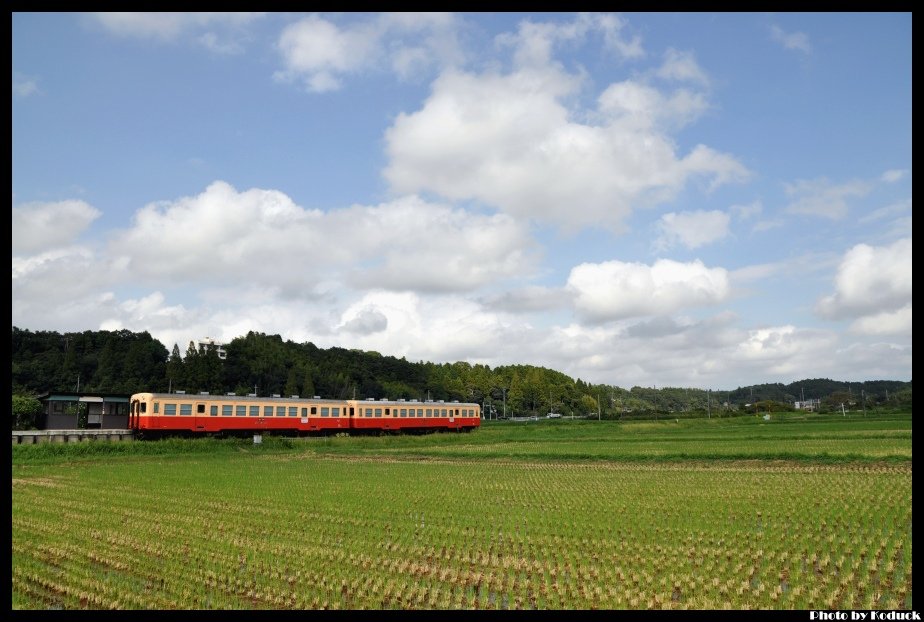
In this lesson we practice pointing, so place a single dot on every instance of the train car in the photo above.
(404, 415)
(203, 413)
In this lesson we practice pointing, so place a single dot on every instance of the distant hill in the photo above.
(126, 362)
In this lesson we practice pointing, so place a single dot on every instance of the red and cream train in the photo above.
(176, 412)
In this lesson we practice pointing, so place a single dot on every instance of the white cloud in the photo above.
(617, 290)
(635, 106)
(38, 226)
(818, 197)
(509, 141)
(791, 41)
(320, 53)
(528, 299)
(534, 42)
(219, 32)
(886, 323)
(691, 229)
(873, 284)
(412, 245)
(682, 66)
(894, 175)
(223, 236)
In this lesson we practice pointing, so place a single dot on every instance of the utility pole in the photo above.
(505, 402)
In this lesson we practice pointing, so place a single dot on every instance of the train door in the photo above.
(200, 417)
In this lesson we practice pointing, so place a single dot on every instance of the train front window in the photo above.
(144, 407)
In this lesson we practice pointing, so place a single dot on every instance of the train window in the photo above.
(304, 412)
(443, 413)
(226, 410)
(254, 411)
(240, 411)
(280, 411)
(213, 410)
(368, 412)
(267, 411)
(404, 412)
(351, 411)
(325, 411)
(335, 411)
(185, 409)
(429, 412)
(156, 404)
(144, 407)
(169, 409)
(293, 411)
(200, 409)
(378, 412)
(314, 410)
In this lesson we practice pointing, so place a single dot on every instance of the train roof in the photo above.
(297, 398)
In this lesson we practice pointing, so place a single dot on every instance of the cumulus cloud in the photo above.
(528, 299)
(681, 352)
(365, 321)
(534, 42)
(691, 229)
(319, 52)
(819, 197)
(222, 237)
(46, 225)
(791, 40)
(617, 290)
(440, 328)
(508, 140)
(873, 285)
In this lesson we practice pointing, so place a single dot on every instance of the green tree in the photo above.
(175, 368)
(26, 412)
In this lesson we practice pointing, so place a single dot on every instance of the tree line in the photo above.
(126, 362)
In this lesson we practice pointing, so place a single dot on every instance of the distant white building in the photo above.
(208, 344)
(812, 405)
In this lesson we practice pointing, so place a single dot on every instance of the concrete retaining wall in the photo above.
(28, 437)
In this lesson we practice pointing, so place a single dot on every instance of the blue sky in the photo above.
(664, 199)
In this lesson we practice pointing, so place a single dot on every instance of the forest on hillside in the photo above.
(126, 362)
